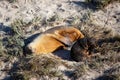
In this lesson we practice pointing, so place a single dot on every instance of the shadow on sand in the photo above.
(6, 29)
(63, 54)
(85, 5)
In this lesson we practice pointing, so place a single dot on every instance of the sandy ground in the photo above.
(65, 9)
(29, 9)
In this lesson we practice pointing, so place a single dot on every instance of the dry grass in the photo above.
(110, 77)
(112, 73)
(38, 67)
(14, 42)
(79, 71)
(42, 66)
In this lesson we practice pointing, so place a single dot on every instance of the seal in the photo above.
(54, 38)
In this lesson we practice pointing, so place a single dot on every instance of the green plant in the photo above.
(51, 21)
(18, 27)
(35, 20)
(11, 1)
(14, 43)
(53, 18)
(1, 47)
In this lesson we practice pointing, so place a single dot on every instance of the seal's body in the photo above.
(54, 38)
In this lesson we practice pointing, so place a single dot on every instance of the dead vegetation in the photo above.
(44, 67)
(79, 71)
(112, 73)
(37, 67)
(41, 67)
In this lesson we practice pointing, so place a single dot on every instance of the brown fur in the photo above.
(54, 38)
(83, 49)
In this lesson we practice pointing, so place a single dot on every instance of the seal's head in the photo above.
(83, 48)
